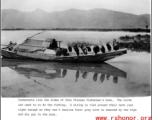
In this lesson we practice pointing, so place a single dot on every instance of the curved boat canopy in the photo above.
(36, 44)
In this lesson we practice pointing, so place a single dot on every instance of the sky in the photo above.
(128, 6)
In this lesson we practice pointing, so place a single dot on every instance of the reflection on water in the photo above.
(51, 71)
(102, 77)
(95, 76)
(107, 77)
(115, 79)
(77, 76)
(84, 75)
(50, 79)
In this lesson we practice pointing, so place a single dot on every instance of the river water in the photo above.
(124, 76)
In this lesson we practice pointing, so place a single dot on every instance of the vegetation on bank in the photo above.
(84, 29)
(135, 43)
(104, 29)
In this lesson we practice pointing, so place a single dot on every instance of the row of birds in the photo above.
(88, 49)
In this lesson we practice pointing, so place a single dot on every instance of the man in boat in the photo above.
(53, 45)
(61, 51)
(58, 52)
(10, 46)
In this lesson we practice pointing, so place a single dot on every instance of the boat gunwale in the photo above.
(89, 55)
(98, 58)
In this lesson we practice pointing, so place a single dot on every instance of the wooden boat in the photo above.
(52, 70)
(34, 49)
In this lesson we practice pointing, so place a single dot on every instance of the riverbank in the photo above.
(137, 43)
(82, 29)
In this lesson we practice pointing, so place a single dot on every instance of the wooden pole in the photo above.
(36, 34)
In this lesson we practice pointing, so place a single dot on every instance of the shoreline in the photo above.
(85, 29)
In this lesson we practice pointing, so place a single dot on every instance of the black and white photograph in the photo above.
(75, 48)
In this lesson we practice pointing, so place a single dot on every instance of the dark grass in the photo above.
(137, 43)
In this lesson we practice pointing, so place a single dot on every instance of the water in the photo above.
(124, 76)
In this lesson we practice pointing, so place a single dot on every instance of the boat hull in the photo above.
(101, 57)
